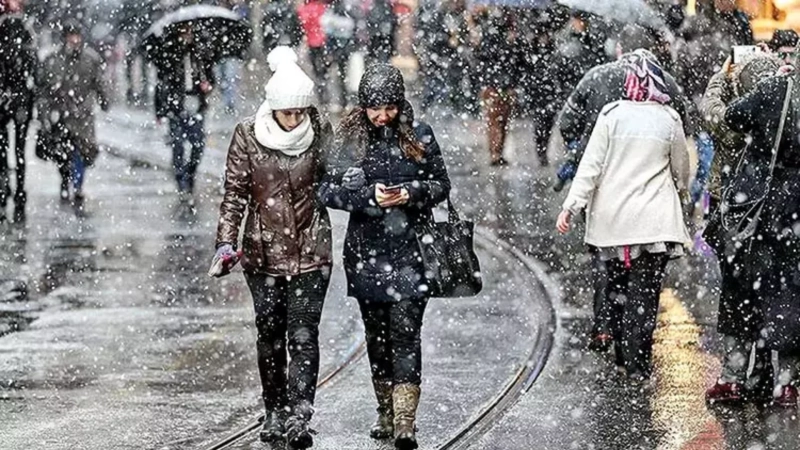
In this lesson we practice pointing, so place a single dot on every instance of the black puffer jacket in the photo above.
(381, 254)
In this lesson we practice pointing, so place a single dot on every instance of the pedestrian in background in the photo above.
(499, 63)
(229, 70)
(275, 163)
(184, 85)
(601, 85)
(630, 181)
(310, 14)
(444, 34)
(280, 25)
(389, 175)
(72, 83)
(381, 31)
(339, 27)
(740, 316)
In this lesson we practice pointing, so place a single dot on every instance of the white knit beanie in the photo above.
(289, 87)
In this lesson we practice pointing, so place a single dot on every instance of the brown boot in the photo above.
(406, 400)
(383, 428)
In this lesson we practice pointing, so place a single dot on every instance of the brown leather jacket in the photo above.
(288, 230)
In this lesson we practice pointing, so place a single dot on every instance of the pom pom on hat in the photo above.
(289, 87)
(281, 55)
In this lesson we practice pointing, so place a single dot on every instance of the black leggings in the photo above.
(634, 293)
(394, 344)
(288, 308)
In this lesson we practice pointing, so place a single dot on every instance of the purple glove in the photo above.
(224, 260)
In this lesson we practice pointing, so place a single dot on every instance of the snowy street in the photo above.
(125, 335)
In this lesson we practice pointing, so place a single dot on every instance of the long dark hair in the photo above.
(354, 129)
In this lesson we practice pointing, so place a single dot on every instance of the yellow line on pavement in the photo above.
(682, 372)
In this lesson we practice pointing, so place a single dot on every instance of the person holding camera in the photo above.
(387, 170)
(275, 163)
(740, 314)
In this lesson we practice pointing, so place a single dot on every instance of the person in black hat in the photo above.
(387, 170)
(784, 43)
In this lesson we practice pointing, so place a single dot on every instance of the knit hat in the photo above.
(752, 69)
(289, 87)
(382, 84)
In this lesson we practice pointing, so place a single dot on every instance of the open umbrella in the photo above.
(218, 32)
(623, 11)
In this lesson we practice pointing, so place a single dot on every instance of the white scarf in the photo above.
(271, 135)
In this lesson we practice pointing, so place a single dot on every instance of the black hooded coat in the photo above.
(381, 253)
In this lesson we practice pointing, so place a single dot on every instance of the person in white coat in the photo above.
(631, 182)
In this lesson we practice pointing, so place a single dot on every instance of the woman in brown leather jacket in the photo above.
(275, 162)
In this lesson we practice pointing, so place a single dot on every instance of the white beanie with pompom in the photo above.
(289, 87)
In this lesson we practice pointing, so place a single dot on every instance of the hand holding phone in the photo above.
(740, 51)
(388, 196)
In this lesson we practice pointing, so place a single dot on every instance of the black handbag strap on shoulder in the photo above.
(452, 213)
(781, 125)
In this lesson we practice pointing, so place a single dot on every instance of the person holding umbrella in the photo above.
(275, 163)
(184, 84)
(184, 45)
(387, 170)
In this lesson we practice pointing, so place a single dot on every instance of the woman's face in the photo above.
(382, 115)
(289, 119)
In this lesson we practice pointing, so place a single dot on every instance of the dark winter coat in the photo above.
(72, 84)
(381, 253)
(771, 258)
(381, 27)
(444, 34)
(18, 69)
(172, 96)
(288, 230)
(280, 25)
(500, 56)
(578, 52)
(600, 86)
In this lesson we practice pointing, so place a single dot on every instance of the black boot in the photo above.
(298, 432)
(760, 385)
(273, 429)
(383, 428)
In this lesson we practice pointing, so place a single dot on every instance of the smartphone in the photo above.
(393, 190)
(739, 51)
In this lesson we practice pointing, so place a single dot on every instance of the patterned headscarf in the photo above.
(644, 78)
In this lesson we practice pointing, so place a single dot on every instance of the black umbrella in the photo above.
(217, 32)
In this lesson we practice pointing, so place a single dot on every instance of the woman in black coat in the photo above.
(388, 172)
(769, 259)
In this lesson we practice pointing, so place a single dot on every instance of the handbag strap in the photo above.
(452, 214)
(781, 125)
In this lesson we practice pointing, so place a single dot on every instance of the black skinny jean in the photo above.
(634, 293)
(394, 343)
(288, 309)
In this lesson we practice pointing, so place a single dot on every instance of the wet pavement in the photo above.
(119, 340)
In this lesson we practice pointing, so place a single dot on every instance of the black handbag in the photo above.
(451, 266)
(744, 198)
(49, 143)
